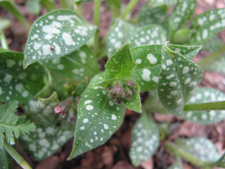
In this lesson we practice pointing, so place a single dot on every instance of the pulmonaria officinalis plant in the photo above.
(58, 73)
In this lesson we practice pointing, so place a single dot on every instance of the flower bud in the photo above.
(128, 93)
(117, 88)
(118, 100)
(112, 95)
(130, 82)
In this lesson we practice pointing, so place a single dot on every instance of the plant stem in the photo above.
(186, 156)
(17, 157)
(97, 21)
(4, 41)
(220, 105)
(211, 57)
(129, 7)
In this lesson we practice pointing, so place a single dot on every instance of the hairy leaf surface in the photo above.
(45, 140)
(17, 83)
(118, 35)
(145, 139)
(178, 79)
(56, 34)
(207, 24)
(149, 35)
(120, 65)
(98, 118)
(75, 65)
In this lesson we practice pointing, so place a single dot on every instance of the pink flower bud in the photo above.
(58, 110)
(128, 93)
(117, 88)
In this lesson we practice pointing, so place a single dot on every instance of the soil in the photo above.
(114, 153)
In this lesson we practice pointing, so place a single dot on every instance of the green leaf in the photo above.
(48, 4)
(205, 95)
(178, 79)
(182, 12)
(9, 5)
(56, 34)
(5, 23)
(17, 83)
(148, 60)
(145, 139)
(75, 65)
(149, 35)
(98, 118)
(42, 110)
(163, 2)
(34, 6)
(214, 44)
(118, 35)
(207, 24)
(11, 125)
(214, 64)
(120, 65)
(154, 15)
(135, 102)
(199, 148)
(45, 140)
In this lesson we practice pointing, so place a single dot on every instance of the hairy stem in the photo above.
(220, 105)
(3, 41)
(97, 21)
(17, 157)
(129, 7)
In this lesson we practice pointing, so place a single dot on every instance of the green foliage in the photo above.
(56, 89)
(56, 34)
(5, 23)
(45, 140)
(98, 118)
(145, 139)
(11, 125)
(17, 83)
(178, 79)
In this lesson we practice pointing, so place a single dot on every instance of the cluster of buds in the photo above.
(121, 89)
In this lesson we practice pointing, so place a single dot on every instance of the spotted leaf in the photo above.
(214, 64)
(148, 60)
(75, 65)
(42, 110)
(154, 15)
(178, 79)
(98, 118)
(149, 35)
(145, 139)
(199, 148)
(45, 140)
(17, 83)
(120, 65)
(182, 12)
(118, 35)
(214, 44)
(56, 34)
(205, 95)
(207, 24)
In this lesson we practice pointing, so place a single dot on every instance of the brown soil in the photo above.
(114, 153)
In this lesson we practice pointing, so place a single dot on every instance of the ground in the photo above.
(114, 153)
